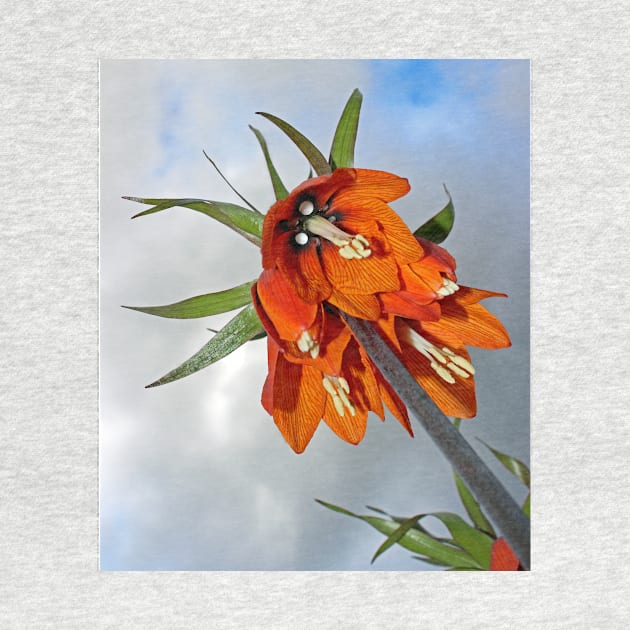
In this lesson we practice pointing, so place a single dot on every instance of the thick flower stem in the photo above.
(492, 496)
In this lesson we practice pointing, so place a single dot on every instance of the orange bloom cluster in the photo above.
(334, 246)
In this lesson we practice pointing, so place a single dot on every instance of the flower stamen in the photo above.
(306, 343)
(350, 246)
(444, 362)
(448, 287)
(339, 389)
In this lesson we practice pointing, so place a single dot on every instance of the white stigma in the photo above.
(301, 238)
(306, 343)
(444, 362)
(306, 208)
(448, 287)
(339, 389)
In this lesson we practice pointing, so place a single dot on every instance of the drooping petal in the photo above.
(468, 295)
(298, 402)
(348, 427)
(362, 306)
(472, 324)
(437, 257)
(304, 272)
(453, 399)
(380, 184)
(394, 403)
(373, 274)
(267, 393)
(405, 304)
(290, 314)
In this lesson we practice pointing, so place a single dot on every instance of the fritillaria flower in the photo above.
(333, 246)
(502, 558)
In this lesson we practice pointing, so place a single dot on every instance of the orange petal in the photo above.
(348, 427)
(373, 274)
(290, 314)
(363, 306)
(304, 272)
(298, 402)
(502, 558)
(393, 402)
(405, 304)
(472, 324)
(453, 399)
(424, 280)
(437, 257)
(267, 392)
(379, 184)
(468, 295)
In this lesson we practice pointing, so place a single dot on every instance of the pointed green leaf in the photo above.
(235, 333)
(245, 222)
(413, 540)
(526, 505)
(431, 561)
(310, 151)
(437, 228)
(225, 179)
(202, 305)
(515, 466)
(476, 543)
(472, 507)
(396, 535)
(342, 150)
(279, 188)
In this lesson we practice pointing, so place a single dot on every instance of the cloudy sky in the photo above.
(194, 475)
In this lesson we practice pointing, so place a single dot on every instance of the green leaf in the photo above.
(342, 150)
(235, 333)
(202, 305)
(279, 188)
(476, 543)
(245, 222)
(396, 535)
(413, 540)
(515, 466)
(526, 505)
(437, 228)
(310, 151)
(472, 507)
(225, 179)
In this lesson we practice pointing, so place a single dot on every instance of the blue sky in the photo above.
(194, 475)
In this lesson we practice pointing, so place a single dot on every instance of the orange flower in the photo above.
(335, 239)
(502, 558)
(331, 379)
(335, 245)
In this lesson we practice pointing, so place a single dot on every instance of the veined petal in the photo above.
(348, 427)
(405, 304)
(437, 257)
(304, 272)
(362, 306)
(290, 314)
(373, 274)
(423, 280)
(453, 399)
(472, 324)
(468, 295)
(267, 393)
(380, 184)
(394, 403)
(298, 402)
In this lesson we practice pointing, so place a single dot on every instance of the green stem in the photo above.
(493, 497)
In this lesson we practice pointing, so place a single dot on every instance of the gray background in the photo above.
(49, 317)
(194, 475)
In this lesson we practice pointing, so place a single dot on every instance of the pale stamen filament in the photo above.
(350, 246)
(444, 362)
(339, 389)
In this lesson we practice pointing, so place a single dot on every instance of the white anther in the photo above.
(338, 405)
(339, 389)
(443, 373)
(440, 360)
(306, 208)
(329, 387)
(314, 351)
(344, 384)
(306, 343)
(301, 238)
(448, 287)
(348, 253)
